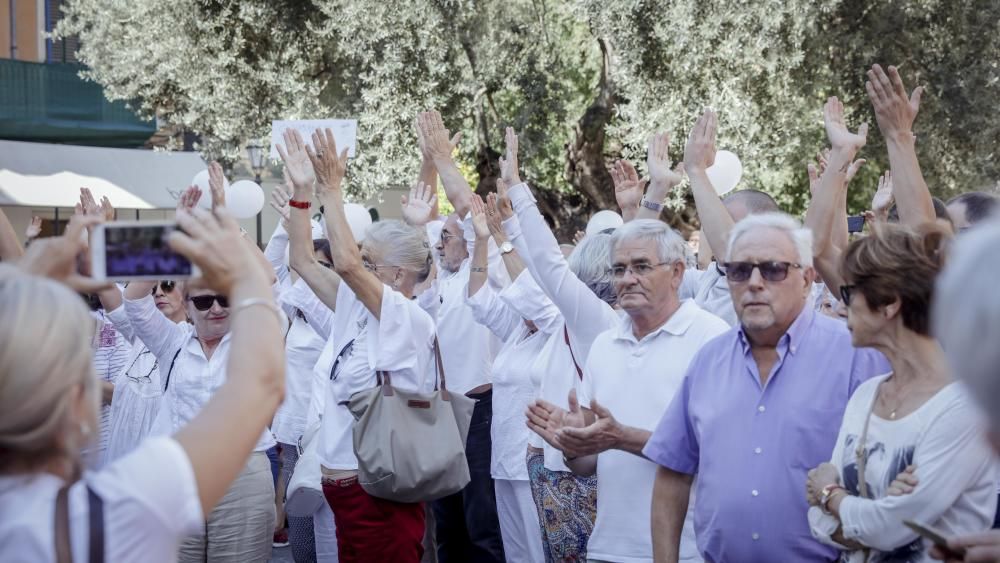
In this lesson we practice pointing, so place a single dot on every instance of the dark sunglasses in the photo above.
(166, 286)
(845, 293)
(770, 271)
(204, 302)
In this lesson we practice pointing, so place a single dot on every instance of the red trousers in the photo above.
(373, 529)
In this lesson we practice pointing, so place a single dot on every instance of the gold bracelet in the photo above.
(258, 301)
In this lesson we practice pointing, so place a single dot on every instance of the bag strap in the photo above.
(383, 379)
(861, 457)
(579, 372)
(95, 542)
(166, 384)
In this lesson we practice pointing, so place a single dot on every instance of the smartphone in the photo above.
(855, 223)
(137, 250)
(936, 537)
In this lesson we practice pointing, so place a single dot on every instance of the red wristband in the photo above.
(300, 204)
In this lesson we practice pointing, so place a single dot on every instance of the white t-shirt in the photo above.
(636, 380)
(150, 503)
(400, 341)
(302, 349)
(956, 469)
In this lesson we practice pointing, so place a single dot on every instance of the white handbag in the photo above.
(304, 492)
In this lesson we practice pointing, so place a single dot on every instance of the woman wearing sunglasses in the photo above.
(141, 506)
(138, 388)
(911, 444)
(193, 362)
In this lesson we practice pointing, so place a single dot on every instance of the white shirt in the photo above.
(150, 504)
(400, 341)
(302, 349)
(193, 378)
(513, 388)
(636, 380)
(111, 351)
(710, 291)
(944, 438)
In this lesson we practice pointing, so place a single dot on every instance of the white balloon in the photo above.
(603, 220)
(358, 219)
(725, 174)
(201, 180)
(244, 199)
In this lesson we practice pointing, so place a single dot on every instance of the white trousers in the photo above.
(519, 527)
(326, 535)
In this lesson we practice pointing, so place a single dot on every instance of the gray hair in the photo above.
(402, 246)
(590, 261)
(965, 315)
(800, 236)
(669, 245)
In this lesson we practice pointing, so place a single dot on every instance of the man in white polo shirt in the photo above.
(631, 374)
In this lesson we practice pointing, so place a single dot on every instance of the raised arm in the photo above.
(298, 172)
(628, 188)
(895, 113)
(222, 435)
(277, 245)
(217, 184)
(662, 178)
(428, 172)
(438, 148)
(496, 210)
(699, 155)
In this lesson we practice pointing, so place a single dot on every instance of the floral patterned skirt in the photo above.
(567, 506)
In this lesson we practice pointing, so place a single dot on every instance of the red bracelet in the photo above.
(300, 204)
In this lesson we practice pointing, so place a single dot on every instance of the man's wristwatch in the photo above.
(658, 207)
(506, 247)
(827, 494)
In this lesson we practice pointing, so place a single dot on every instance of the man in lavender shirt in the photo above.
(759, 406)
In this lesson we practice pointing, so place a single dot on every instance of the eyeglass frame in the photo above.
(757, 266)
(216, 298)
(173, 286)
(629, 269)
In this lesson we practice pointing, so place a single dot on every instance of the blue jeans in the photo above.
(467, 525)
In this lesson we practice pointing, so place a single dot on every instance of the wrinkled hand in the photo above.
(329, 166)
(883, 195)
(981, 547)
(300, 170)
(433, 136)
(217, 184)
(546, 419)
(189, 199)
(494, 216)
(904, 483)
(699, 152)
(894, 110)
(508, 162)
(34, 229)
(425, 150)
(836, 128)
(479, 222)
(658, 162)
(818, 478)
(602, 435)
(56, 257)
(213, 242)
(280, 197)
(628, 186)
(418, 207)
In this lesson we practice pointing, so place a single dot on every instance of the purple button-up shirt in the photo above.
(751, 445)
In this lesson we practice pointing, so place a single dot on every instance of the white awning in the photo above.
(47, 175)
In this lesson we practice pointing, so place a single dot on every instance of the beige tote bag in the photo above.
(411, 446)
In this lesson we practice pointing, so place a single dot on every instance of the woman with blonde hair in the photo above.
(139, 507)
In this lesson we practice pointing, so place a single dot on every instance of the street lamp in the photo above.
(256, 153)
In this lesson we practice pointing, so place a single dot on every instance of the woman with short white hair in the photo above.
(141, 506)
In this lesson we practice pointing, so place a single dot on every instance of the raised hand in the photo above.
(217, 184)
(658, 161)
(836, 128)
(280, 197)
(883, 195)
(300, 171)
(816, 169)
(494, 217)
(433, 137)
(213, 242)
(628, 187)
(894, 110)
(504, 205)
(88, 203)
(107, 209)
(34, 229)
(699, 152)
(479, 222)
(418, 207)
(508, 162)
(56, 257)
(189, 199)
(578, 237)
(330, 167)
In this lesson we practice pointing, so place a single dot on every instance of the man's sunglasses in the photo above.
(204, 302)
(166, 286)
(770, 271)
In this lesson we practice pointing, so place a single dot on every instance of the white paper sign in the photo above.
(345, 132)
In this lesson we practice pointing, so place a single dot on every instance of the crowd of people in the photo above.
(791, 392)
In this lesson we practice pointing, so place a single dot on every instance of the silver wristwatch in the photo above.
(506, 247)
